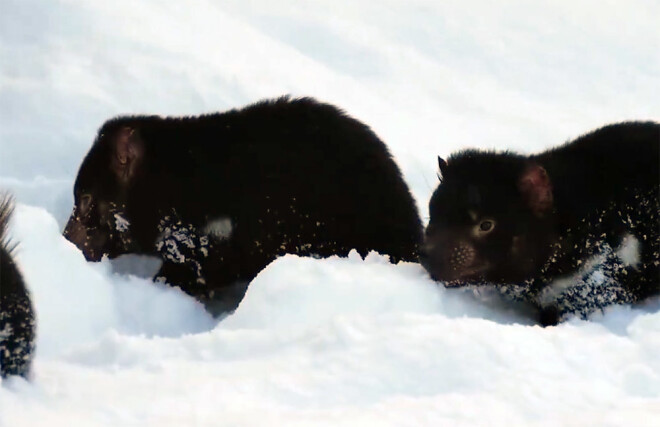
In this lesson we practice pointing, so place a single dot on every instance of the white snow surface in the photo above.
(317, 342)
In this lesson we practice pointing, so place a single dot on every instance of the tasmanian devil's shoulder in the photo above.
(572, 229)
(219, 196)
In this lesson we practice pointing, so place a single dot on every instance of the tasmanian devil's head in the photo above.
(490, 219)
(99, 224)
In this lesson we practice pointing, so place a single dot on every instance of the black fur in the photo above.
(17, 323)
(292, 176)
(524, 222)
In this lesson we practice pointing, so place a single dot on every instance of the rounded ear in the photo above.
(128, 151)
(535, 186)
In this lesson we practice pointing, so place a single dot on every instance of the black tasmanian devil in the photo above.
(17, 321)
(220, 196)
(571, 230)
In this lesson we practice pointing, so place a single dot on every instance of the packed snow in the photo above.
(317, 342)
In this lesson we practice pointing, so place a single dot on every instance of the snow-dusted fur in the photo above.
(571, 230)
(17, 322)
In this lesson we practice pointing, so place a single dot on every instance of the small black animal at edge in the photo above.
(220, 196)
(17, 321)
(571, 230)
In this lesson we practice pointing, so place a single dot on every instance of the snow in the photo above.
(320, 342)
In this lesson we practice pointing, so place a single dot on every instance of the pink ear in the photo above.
(536, 189)
(128, 150)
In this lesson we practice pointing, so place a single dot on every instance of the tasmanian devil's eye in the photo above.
(486, 225)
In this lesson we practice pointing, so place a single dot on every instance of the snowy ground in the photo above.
(318, 342)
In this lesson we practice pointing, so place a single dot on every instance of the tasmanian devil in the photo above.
(220, 196)
(17, 322)
(572, 229)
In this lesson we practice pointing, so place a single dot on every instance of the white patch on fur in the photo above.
(559, 285)
(629, 251)
(220, 228)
